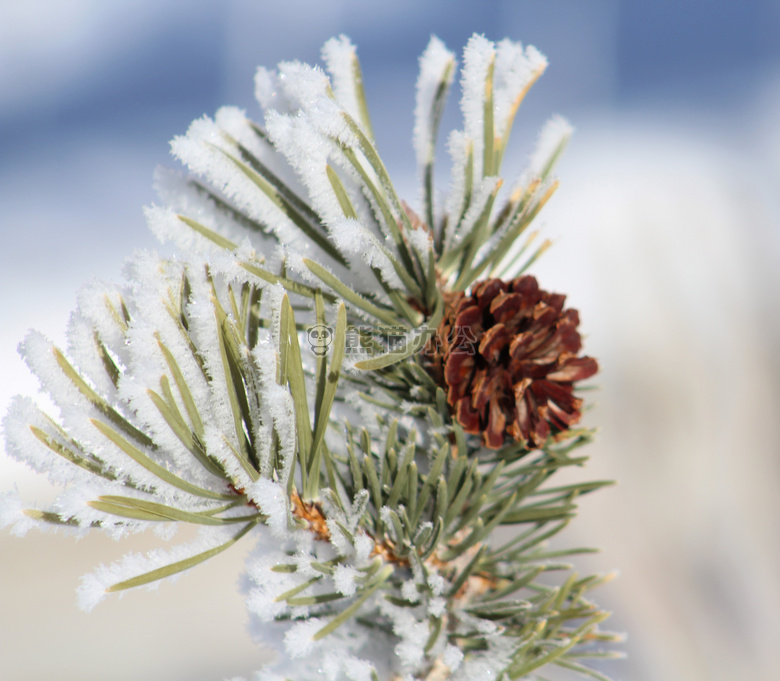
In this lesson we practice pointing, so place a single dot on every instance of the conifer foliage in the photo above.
(366, 391)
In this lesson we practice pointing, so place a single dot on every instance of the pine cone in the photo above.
(507, 355)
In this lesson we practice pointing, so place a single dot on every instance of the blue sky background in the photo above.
(91, 92)
(89, 76)
(670, 193)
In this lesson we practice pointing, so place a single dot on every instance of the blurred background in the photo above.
(667, 229)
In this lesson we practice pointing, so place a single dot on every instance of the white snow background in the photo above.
(666, 224)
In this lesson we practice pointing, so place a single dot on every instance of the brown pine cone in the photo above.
(507, 354)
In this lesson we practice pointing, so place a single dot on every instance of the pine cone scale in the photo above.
(493, 342)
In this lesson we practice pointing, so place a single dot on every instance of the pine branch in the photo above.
(338, 378)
